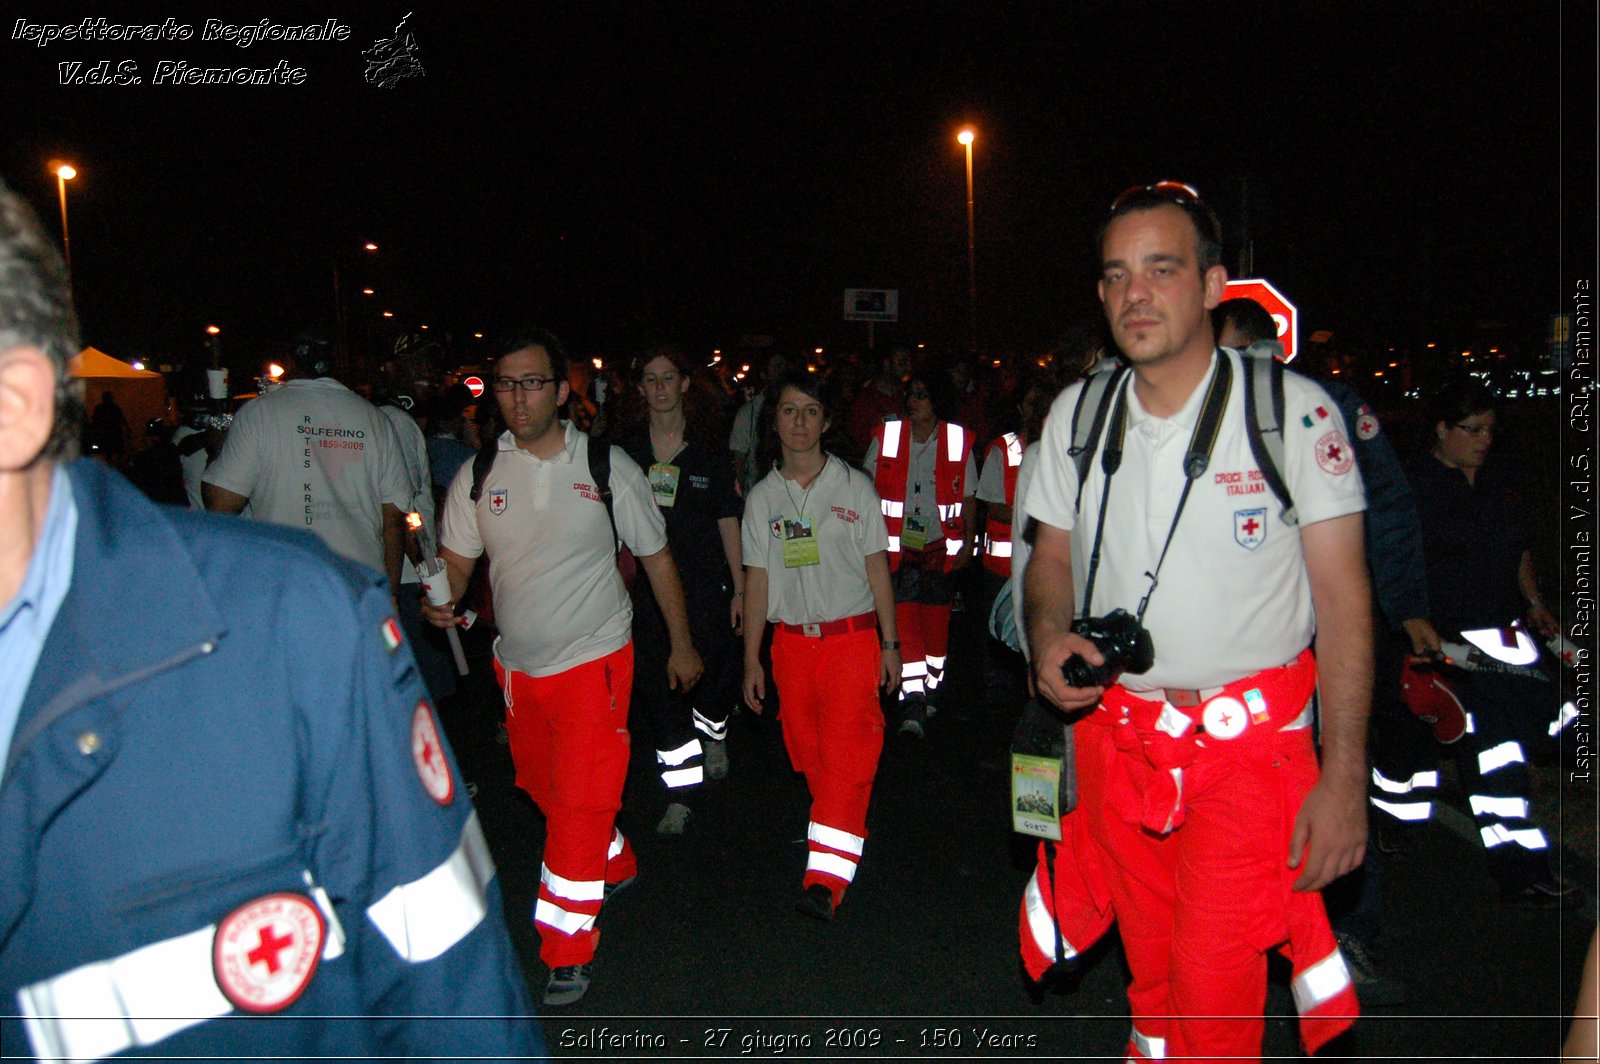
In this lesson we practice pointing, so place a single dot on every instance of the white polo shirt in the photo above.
(414, 449)
(559, 600)
(1234, 596)
(315, 455)
(847, 521)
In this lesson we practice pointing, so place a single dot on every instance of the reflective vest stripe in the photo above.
(894, 544)
(679, 755)
(572, 889)
(893, 508)
(997, 534)
(1508, 752)
(892, 432)
(834, 839)
(952, 547)
(1413, 811)
(892, 477)
(1527, 838)
(615, 849)
(568, 923)
(831, 864)
(996, 548)
(1321, 982)
(427, 916)
(1510, 808)
(146, 995)
(954, 445)
(1418, 779)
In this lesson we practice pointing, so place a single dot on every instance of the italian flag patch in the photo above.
(1311, 419)
(391, 635)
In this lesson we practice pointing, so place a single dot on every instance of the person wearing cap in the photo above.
(817, 568)
(235, 829)
(1207, 825)
(534, 502)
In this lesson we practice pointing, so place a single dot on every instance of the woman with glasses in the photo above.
(816, 567)
(1481, 579)
(691, 478)
(924, 470)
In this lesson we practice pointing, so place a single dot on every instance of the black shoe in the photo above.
(816, 902)
(914, 721)
(1545, 894)
(568, 984)
(1373, 989)
(614, 888)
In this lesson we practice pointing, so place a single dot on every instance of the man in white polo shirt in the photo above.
(312, 454)
(1204, 825)
(565, 652)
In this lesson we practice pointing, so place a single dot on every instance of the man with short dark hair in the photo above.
(240, 806)
(565, 653)
(1200, 798)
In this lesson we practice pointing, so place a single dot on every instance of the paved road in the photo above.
(705, 956)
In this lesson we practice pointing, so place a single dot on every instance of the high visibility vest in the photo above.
(997, 534)
(893, 482)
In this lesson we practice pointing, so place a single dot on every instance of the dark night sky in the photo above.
(717, 169)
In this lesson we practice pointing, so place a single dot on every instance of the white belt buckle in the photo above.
(1225, 718)
(812, 630)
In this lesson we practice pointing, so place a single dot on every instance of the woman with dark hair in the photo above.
(924, 470)
(816, 567)
(1481, 581)
(691, 477)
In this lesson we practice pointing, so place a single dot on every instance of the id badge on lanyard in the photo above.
(799, 543)
(664, 483)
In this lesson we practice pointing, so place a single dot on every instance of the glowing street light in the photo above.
(965, 138)
(64, 172)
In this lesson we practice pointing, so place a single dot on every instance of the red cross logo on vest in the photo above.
(1224, 718)
(266, 951)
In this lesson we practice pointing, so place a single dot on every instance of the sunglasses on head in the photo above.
(1170, 191)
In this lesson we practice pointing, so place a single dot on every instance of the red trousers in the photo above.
(570, 744)
(833, 730)
(924, 632)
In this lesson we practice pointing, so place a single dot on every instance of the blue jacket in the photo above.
(212, 808)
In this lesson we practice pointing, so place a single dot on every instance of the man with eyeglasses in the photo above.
(1204, 826)
(564, 657)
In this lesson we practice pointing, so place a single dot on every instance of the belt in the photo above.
(860, 622)
(1184, 697)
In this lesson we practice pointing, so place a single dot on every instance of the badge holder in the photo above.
(1044, 781)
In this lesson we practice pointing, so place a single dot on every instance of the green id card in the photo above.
(1035, 784)
(664, 483)
(914, 532)
(799, 543)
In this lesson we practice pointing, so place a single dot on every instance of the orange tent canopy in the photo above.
(141, 393)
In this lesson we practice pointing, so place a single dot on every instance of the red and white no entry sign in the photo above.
(1283, 312)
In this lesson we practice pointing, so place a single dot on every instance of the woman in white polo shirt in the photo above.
(815, 551)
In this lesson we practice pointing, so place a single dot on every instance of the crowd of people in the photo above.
(650, 541)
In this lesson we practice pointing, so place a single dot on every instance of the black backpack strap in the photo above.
(600, 469)
(483, 461)
(1097, 392)
(1263, 418)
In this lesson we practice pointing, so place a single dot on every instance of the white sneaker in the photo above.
(716, 759)
(675, 820)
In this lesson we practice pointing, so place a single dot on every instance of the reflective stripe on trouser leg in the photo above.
(569, 742)
(1408, 799)
(833, 730)
(682, 767)
(913, 678)
(715, 730)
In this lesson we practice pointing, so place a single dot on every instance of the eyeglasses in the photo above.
(1171, 191)
(1475, 430)
(527, 384)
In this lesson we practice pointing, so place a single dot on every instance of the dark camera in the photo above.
(1121, 640)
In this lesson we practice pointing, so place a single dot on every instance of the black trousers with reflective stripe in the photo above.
(1505, 709)
(671, 713)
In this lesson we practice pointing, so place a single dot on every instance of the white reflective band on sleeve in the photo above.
(1569, 713)
(1510, 808)
(953, 546)
(572, 889)
(1405, 810)
(427, 916)
(1508, 752)
(1148, 1047)
(679, 755)
(614, 850)
(952, 442)
(100, 1009)
(834, 839)
(1040, 925)
(1173, 722)
(1320, 983)
(713, 730)
(893, 507)
(831, 864)
(894, 544)
(1418, 779)
(675, 778)
(568, 923)
(891, 439)
(1527, 838)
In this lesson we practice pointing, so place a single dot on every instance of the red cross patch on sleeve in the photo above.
(1334, 454)
(427, 750)
(266, 951)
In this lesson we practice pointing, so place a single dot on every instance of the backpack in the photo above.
(1263, 418)
(599, 468)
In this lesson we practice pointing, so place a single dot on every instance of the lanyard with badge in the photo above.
(799, 535)
(664, 478)
(914, 530)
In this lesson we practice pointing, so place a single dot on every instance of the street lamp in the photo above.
(64, 172)
(966, 137)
